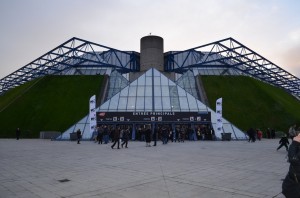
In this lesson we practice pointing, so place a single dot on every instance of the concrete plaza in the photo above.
(43, 168)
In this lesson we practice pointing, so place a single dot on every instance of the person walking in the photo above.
(148, 136)
(284, 141)
(164, 132)
(155, 135)
(18, 133)
(99, 134)
(292, 131)
(125, 138)
(251, 134)
(291, 185)
(116, 137)
(105, 134)
(78, 133)
(259, 134)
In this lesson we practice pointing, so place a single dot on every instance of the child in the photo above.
(283, 142)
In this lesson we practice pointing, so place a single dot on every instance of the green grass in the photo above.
(251, 103)
(57, 102)
(52, 104)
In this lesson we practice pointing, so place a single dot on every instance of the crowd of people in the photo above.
(165, 133)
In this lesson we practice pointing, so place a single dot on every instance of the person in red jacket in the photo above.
(259, 134)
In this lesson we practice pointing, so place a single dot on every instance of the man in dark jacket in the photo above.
(291, 185)
(148, 136)
(78, 133)
(125, 138)
(116, 136)
(251, 134)
(283, 142)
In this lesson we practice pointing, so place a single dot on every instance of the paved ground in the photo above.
(34, 168)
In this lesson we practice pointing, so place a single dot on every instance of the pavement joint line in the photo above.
(210, 186)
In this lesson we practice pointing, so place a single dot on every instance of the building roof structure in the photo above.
(171, 88)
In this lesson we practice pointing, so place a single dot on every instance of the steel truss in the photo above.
(230, 54)
(73, 54)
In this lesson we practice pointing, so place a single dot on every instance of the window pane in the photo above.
(140, 91)
(114, 102)
(156, 80)
(183, 103)
(131, 103)
(148, 80)
(122, 103)
(158, 104)
(166, 103)
(165, 90)
(157, 91)
(192, 102)
(148, 91)
(148, 103)
(132, 91)
(140, 104)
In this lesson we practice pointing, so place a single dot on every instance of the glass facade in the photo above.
(188, 83)
(153, 92)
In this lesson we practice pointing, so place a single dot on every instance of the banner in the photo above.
(219, 116)
(92, 115)
(200, 117)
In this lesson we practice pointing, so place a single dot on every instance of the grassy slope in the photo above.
(54, 103)
(250, 103)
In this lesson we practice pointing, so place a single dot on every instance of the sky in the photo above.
(31, 28)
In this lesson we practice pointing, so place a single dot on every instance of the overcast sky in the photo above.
(30, 28)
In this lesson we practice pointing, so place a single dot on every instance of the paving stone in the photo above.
(44, 168)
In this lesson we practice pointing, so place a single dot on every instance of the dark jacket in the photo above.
(148, 135)
(294, 158)
(78, 133)
(290, 187)
(284, 140)
(125, 135)
(116, 133)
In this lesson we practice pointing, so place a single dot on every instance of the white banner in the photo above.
(92, 116)
(219, 116)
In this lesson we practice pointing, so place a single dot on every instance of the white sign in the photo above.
(219, 116)
(92, 115)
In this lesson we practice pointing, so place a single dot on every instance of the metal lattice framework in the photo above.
(72, 54)
(230, 54)
(227, 54)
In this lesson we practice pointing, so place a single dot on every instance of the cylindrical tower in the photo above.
(152, 53)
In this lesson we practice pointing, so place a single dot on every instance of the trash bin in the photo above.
(73, 136)
(226, 136)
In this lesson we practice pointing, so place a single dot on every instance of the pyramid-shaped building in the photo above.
(153, 87)
(152, 99)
